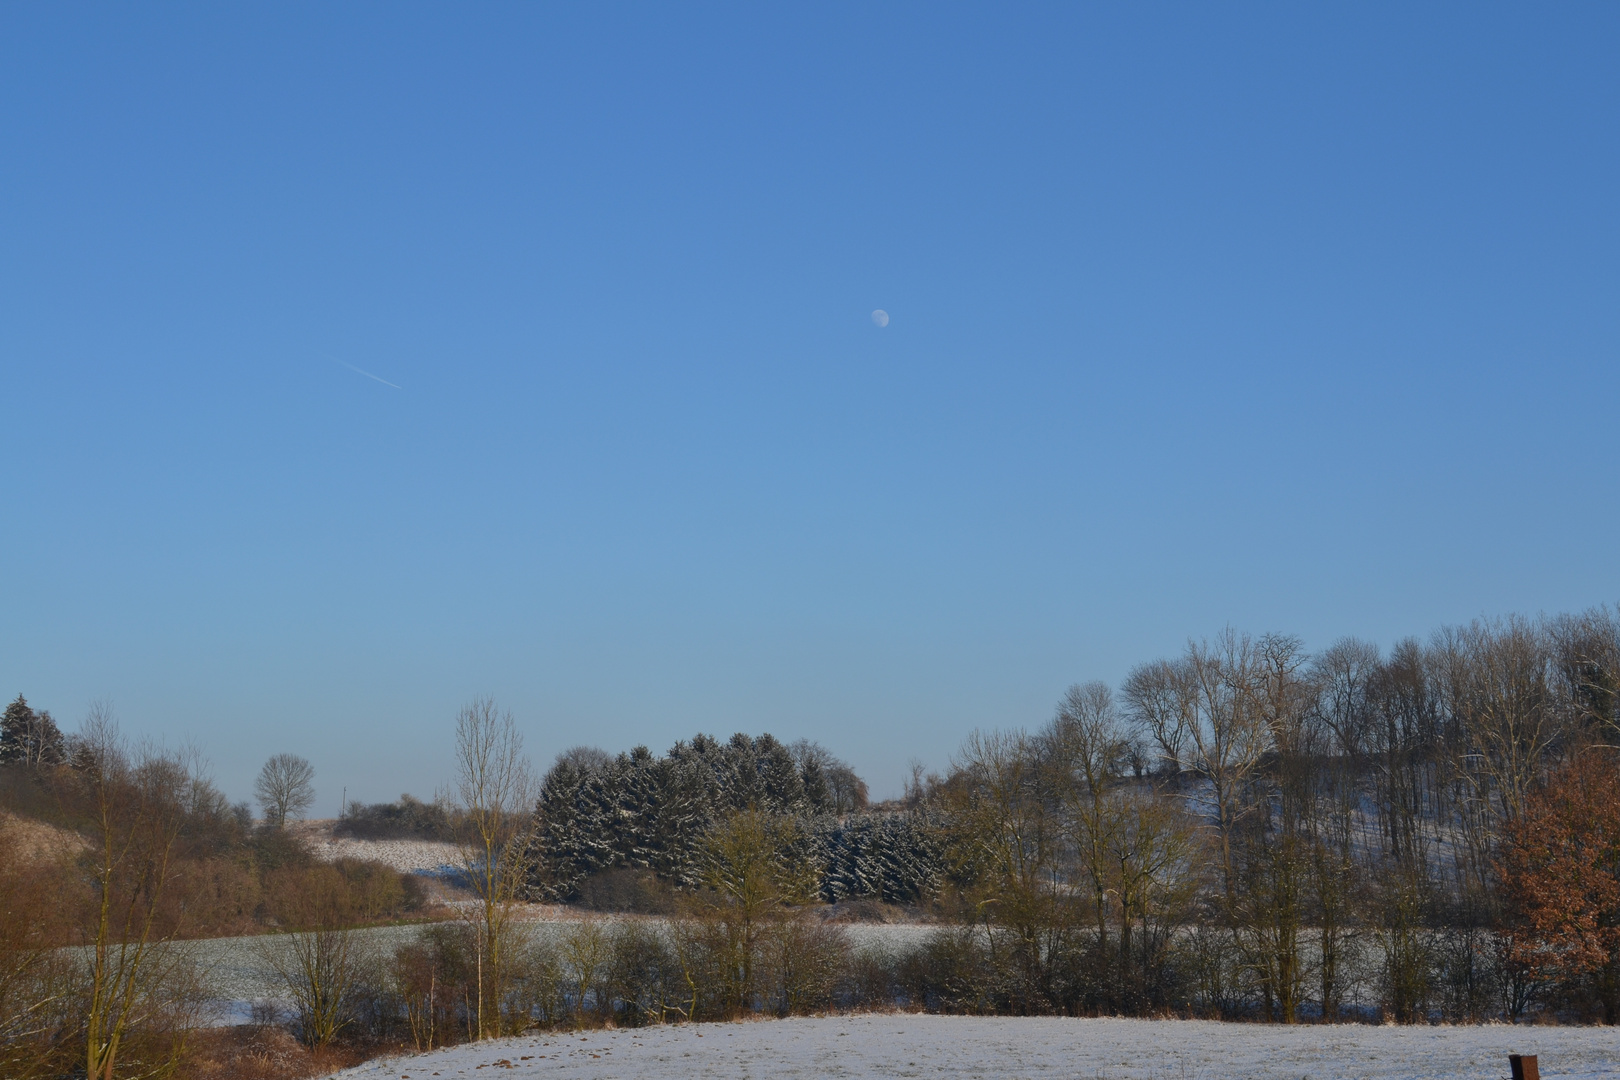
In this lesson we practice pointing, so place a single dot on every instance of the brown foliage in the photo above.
(343, 893)
(35, 1010)
(1561, 867)
(262, 1053)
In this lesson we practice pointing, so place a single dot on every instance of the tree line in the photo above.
(1250, 830)
(1245, 830)
(111, 855)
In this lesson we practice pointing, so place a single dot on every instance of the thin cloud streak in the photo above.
(369, 375)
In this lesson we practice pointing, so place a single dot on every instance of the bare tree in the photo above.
(1586, 648)
(285, 788)
(754, 866)
(846, 791)
(585, 758)
(1007, 839)
(1154, 871)
(1086, 745)
(1204, 712)
(1344, 676)
(495, 789)
(320, 968)
(1278, 843)
(137, 806)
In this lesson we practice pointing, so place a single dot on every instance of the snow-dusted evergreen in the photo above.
(642, 811)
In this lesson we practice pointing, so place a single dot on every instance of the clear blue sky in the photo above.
(1287, 317)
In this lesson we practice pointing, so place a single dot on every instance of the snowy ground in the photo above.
(406, 856)
(900, 1045)
(430, 857)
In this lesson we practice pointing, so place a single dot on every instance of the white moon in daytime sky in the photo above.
(880, 317)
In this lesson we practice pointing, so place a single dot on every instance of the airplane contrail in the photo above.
(369, 375)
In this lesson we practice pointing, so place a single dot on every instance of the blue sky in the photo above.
(1288, 317)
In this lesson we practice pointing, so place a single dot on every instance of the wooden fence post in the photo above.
(1524, 1067)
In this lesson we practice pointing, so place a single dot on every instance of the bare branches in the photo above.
(320, 968)
(285, 788)
(495, 788)
(138, 802)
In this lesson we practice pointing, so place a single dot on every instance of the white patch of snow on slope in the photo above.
(407, 856)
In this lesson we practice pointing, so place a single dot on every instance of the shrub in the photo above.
(407, 819)
(640, 892)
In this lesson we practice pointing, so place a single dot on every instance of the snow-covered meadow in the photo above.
(432, 858)
(907, 1045)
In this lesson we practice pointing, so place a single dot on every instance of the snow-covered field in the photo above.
(406, 856)
(903, 1045)
(431, 857)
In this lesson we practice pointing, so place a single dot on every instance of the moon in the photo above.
(880, 317)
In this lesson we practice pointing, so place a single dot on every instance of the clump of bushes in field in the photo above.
(407, 819)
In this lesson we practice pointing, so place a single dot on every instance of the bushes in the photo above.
(36, 1017)
(407, 819)
(625, 972)
(803, 963)
(639, 892)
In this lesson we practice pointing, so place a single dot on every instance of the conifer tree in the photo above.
(28, 738)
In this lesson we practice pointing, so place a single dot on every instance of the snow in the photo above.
(909, 1045)
(431, 857)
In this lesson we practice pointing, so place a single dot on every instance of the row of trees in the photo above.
(111, 855)
(745, 939)
(1243, 830)
(32, 741)
(1238, 828)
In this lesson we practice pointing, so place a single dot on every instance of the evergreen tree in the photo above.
(781, 787)
(646, 812)
(813, 779)
(30, 739)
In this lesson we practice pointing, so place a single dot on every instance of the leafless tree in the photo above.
(137, 804)
(1008, 838)
(1586, 651)
(1344, 676)
(285, 788)
(1085, 744)
(1279, 838)
(495, 790)
(320, 967)
(585, 758)
(845, 790)
(1204, 713)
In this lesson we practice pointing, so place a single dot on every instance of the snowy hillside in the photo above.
(430, 857)
(903, 1045)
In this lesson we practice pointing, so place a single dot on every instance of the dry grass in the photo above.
(268, 1053)
(35, 841)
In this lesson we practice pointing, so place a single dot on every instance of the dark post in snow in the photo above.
(1524, 1067)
